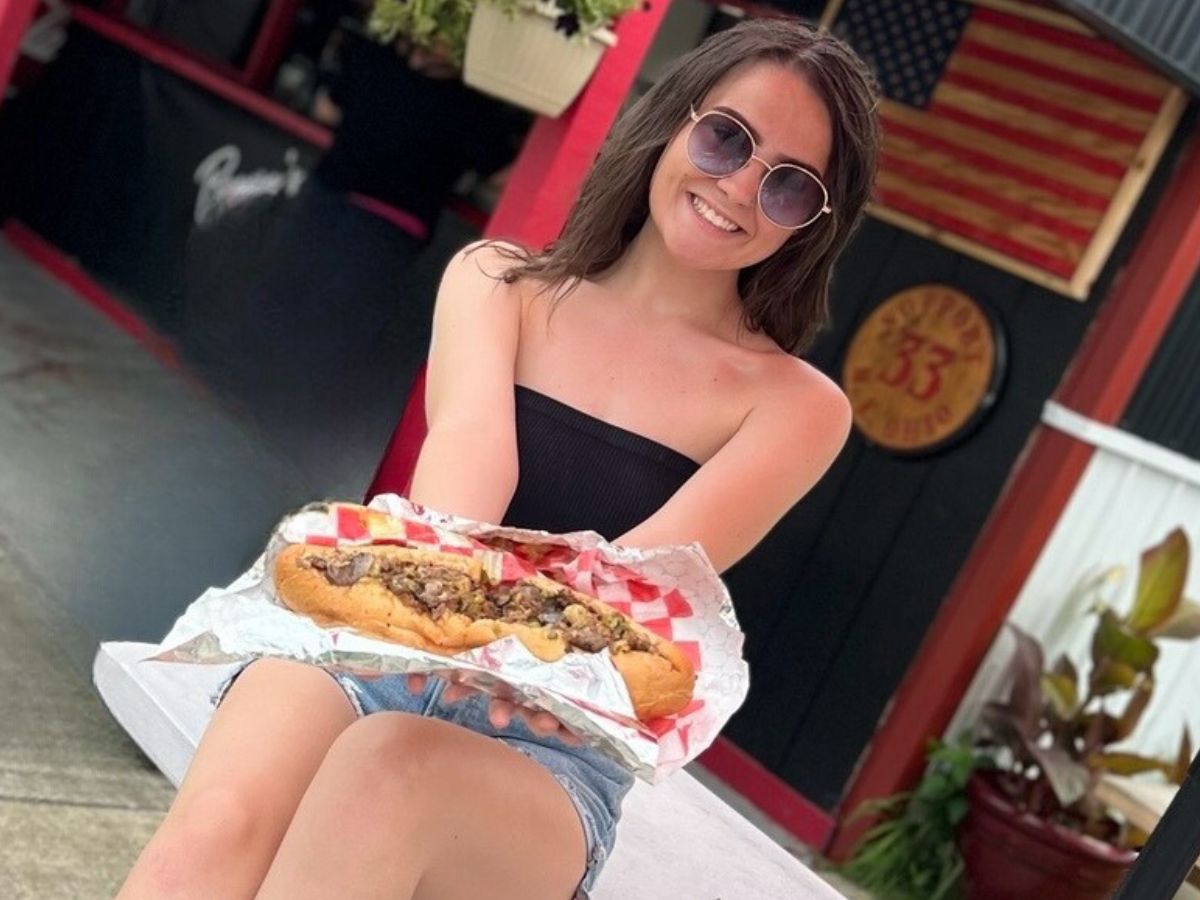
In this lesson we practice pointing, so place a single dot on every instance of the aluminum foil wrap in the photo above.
(672, 591)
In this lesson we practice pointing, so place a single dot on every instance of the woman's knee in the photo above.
(385, 754)
(218, 822)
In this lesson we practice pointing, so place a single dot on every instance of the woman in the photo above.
(659, 405)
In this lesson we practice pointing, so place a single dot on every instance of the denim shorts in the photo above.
(594, 783)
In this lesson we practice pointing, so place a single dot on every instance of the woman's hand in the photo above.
(500, 711)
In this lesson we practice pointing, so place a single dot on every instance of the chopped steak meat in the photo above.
(438, 590)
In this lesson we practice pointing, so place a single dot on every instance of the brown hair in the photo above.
(785, 295)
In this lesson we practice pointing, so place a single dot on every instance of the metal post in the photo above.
(1173, 847)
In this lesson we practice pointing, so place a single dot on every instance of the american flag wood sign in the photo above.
(1012, 133)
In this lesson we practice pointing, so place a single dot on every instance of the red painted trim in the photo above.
(1143, 300)
(67, 272)
(1106, 371)
(212, 77)
(15, 16)
(402, 219)
(768, 792)
(395, 471)
(270, 43)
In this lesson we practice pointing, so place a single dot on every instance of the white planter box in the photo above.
(525, 61)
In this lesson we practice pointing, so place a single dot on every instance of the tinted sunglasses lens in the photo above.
(718, 145)
(791, 196)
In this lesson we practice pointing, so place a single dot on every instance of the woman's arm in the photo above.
(783, 447)
(468, 462)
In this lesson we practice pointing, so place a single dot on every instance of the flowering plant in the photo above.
(444, 23)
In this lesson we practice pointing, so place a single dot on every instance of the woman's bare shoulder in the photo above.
(792, 385)
(491, 255)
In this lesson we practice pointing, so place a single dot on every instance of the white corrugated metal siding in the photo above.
(1165, 33)
(1131, 495)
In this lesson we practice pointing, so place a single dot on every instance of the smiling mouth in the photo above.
(706, 212)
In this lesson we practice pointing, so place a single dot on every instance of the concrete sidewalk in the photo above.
(77, 798)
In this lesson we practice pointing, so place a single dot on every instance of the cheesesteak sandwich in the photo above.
(443, 603)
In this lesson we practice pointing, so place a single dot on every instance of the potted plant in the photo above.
(1023, 796)
(537, 54)
(1035, 826)
(911, 853)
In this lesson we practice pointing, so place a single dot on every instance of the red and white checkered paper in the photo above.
(672, 591)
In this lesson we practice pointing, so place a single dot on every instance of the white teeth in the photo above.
(713, 216)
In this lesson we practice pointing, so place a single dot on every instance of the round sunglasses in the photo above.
(789, 195)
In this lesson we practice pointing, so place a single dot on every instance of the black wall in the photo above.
(1166, 407)
(836, 600)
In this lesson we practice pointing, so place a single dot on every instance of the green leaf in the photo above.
(1183, 760)
(1124, 763)
(1138, 701)
(1183, 624)
(1063, 666)
(1110, 676)
(1060, 691)
(1160, 582)
(1114, 641)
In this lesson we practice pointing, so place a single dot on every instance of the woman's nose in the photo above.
(742, 186)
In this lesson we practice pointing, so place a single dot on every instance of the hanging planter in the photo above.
(526, 56)
(536, 54)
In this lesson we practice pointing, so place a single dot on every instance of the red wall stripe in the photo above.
(1046, 108)
(994, 239)
(15, 16)
(67, 272)
(1101, 49)
(270, 43)
(221, 81)
(990, 163)
(770, 793)
(934, 178)
(1028, 139)
(1045, 71)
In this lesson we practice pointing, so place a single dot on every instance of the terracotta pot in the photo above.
(1013, 855)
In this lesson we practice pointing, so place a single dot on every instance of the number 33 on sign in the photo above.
(923, 369)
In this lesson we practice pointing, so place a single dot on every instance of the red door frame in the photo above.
(1099, 384)
(15, 16)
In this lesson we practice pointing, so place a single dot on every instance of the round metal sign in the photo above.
(923, 368)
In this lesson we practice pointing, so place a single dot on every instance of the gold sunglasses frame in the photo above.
(696, 119)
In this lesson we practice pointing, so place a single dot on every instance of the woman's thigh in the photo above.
(428, 809)
(524, 839)
(267, 738)
(254, 762)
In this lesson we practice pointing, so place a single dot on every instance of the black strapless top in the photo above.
(580, 473)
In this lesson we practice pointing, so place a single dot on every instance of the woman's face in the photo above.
(788, 119)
